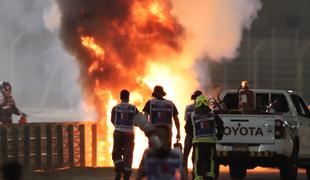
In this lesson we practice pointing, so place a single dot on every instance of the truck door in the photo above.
(304, 125)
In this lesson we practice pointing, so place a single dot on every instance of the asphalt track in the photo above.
(108, 174)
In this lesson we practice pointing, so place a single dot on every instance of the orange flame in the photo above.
(158, 61)
(89, 42)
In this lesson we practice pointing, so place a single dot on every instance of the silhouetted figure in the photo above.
(162, 164)
(122, 117)
(12, 170)
(7, 104)
(206, 127)
(160, 113)
(189, 138)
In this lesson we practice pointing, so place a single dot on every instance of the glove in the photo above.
(178, 137)
(22, 120)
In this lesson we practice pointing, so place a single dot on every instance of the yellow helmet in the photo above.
(201, 100)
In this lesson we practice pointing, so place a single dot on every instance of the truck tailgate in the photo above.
(249, 129)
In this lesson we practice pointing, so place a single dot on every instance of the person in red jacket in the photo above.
(7, 104)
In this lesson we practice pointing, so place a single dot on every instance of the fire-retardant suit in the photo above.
(161, 111)
(159, 167)
(161, 164)
(205, 127)
(188, 138)
(7, 104)
(124, 117)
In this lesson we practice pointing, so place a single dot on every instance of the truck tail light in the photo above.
(279, 129)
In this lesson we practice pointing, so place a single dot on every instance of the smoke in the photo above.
(143, 45)
(114, 42)
(32, 59)
(135, 44)
(51, 17)
(215, 27)
(214, 30)
(128, 40)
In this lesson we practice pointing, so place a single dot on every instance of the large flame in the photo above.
(138, 53)
(137, 44)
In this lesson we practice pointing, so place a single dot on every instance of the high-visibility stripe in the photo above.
(211, 172)
(198, 178)
(204, 140)
(196, 162)
(212, 162)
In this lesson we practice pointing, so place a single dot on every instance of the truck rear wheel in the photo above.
(289, 169)
(217, 170)
(308, 172)
(237, 172)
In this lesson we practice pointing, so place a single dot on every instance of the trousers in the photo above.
(122, 153)
(187, 148)
(204, 165)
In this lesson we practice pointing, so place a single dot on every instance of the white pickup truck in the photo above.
(280, 140)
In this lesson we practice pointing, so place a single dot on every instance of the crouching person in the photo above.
(206, 127)
(162, 164)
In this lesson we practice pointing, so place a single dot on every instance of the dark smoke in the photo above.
(130, 36)
(110, 23)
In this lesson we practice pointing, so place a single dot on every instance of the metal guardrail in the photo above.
(47, 146)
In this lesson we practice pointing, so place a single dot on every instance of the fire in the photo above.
(89, 43)
(135, 48)
(138, 44)
(157, 10)
(95, 49)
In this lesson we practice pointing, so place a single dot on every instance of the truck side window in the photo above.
(231, 101)
(262, 101)
(300, 105)
(283, 104)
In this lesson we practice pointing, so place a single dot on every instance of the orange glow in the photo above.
(160, 61)
(89, 43)
(95, 49)
(244, 84)
(151, 58)
(157, 10)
